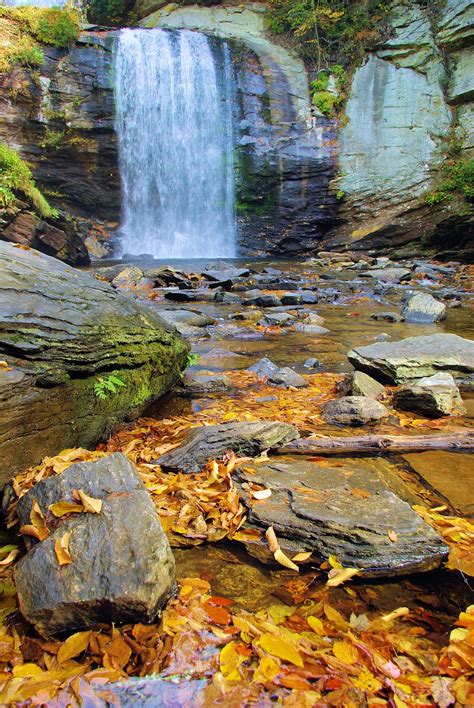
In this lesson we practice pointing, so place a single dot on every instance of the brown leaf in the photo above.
(38, 522)
(61, 548)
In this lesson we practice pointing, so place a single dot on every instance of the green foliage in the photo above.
(57, 27)
(324, 31)
(326, 100)
(104, 387)
(52, 139)
(192, 359)
(108, 12)
(459, 179)
(340, 194)
(26, 53)
(16, 175)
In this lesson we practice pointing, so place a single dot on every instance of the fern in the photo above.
(103, 387)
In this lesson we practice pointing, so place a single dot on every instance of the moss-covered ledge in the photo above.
(63, 334)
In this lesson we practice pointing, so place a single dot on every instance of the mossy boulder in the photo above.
(62, 332)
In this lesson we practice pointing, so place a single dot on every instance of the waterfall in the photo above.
(174, 126)
(38, 3)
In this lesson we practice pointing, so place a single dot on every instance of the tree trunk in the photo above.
(462, 441)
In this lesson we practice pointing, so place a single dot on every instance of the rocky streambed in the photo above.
(282, 355)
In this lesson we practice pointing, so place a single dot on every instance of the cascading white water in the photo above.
(37, 3)
(174, 128)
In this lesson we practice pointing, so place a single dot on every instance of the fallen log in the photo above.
(461, 441)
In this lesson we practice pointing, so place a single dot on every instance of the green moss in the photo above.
(458, 180)
(52, 139)
(15, 175)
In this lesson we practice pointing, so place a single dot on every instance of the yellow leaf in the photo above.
(367, 682)
(267, 670)
(316, 625)
(73, 646)
(392, 536)
(229, 661)
(37, 520)
(23, 670)
(4, 366)
(335, 617)
(281, 647)
(334, 562)
(303, 556)
(283, 560)
(91, 505)
(345, 652)
(65, 507)
(10, 557)
(458, 635)
(61, 548)
(272, 540)
(340, 576)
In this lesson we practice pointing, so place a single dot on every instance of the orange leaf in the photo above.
(61, 548)
(219, 615)
(73, 646)
(392, 536)
(361, 493)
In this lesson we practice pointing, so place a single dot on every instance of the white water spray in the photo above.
(174, 127)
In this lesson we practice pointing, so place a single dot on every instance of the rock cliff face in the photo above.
(407, 103)
(61, 119)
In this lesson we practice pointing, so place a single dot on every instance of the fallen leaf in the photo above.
(392, 536)
(316, 625)
(280, 558)
(229, 661)
(26, 670)
(73, 646)
(61, 548)
(303, 556)
(91, 505)
(65, 507)
(272, 540)
(10, 557)
(267, 670)
(337, 576)
(4, 366)
(281, 647)
(361, 493)
(38, 522)
(400, 612)
(345, 652)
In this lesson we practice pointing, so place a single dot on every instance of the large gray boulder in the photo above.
(344, 511)
(432, 396)
(121, 569)
(415, 357)
(212, 441)
(423, 308)
(61, 332)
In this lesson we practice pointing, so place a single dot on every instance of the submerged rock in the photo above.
(423, 308)
(415, 357)
(63, 332)
(344, 511)
(121, 569)
(354, 410)
(288, 378)
(432, 396)
(212, 441)
(389, 275)
(263, 368)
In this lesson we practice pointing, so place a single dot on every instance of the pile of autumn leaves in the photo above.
(307, 655)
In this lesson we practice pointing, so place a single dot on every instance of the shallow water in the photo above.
(436, 478)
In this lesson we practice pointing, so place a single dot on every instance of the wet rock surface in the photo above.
(416, 357)
(62, 331)
(343, 511)
(360, 384)
(354, 411)
(212, 441)
(121, 569)
(423, 308)
(432, 396)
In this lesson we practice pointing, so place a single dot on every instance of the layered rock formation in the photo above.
(62, 333)
(407, 105)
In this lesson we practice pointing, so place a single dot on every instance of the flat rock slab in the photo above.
(343, 511)
(212, 441)
(432, 396)
(122, 568)
(416, 357)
